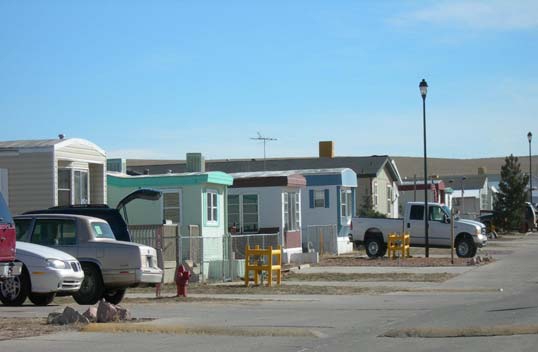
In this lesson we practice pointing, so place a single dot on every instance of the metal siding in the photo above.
(80, 152)
(31, 180)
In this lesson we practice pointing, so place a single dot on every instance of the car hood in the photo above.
(143, 193)
(36, 250)
(470, 222)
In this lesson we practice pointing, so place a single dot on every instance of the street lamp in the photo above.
(423, 86)
(529, 137)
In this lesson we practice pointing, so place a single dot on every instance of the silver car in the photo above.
(109, 266)
(46, 273)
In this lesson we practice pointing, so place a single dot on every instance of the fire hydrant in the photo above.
(182, 280)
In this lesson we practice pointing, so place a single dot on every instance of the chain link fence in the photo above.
(210, 257)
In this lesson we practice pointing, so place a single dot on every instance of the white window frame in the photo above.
(179, 207)
(389, 199)
(212, 206)
(346, 205)
(291, 215)
(72, 190)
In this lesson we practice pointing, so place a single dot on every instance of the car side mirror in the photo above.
(447, 220)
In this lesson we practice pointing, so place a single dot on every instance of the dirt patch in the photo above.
(358, 277)
(407, 262)
(14, 328)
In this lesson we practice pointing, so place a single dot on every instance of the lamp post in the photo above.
(529, 137)
(423, 86)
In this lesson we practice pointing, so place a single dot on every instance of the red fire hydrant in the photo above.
(182, 280)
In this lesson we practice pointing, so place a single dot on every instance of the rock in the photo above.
(478, 259)
(68, 316)
(123, 313)
(52, 317)
(472, 261)
(106, 312)
(91, 314)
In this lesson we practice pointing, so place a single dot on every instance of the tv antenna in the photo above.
(265, 140)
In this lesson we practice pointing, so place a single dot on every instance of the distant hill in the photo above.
(410, 166)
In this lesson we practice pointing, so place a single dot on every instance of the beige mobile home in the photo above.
(44, 173)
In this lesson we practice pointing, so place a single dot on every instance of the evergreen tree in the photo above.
(509, 203)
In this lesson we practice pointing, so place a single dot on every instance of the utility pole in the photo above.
(265, 140)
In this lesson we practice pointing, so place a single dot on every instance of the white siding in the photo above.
(79, 151)
(31, 179)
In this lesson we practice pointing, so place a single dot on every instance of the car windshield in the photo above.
(102, 230)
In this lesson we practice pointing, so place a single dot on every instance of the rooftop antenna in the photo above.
(265, 140)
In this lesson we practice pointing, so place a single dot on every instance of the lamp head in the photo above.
(423, 88)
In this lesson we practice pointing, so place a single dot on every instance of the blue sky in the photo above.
(158, 79)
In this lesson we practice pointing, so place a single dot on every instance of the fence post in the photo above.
(178, 247)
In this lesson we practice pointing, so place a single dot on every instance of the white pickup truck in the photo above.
(372, 232)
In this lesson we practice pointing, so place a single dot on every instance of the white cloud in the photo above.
(478, 14)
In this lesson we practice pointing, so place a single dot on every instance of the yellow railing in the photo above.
(398, 243)
(254, 261)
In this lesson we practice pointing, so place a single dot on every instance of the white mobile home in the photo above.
(45, 173)
(265, 203)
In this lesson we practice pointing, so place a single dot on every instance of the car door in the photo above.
(57, 233)
(415, 224)
(439, 231)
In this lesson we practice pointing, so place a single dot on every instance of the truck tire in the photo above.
(13, 291)
(92, 287)
(465, 247)
(114, 296)
(42, 299)
(375, 247)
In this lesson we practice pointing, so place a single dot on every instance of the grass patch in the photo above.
(198, 330)
(369, 277)
(497, 330)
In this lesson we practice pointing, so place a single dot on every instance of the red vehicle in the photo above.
(8, 266)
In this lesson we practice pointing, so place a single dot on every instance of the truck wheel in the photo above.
(114, 296)
(465, 247)
(42, 299)
(375, 247)
(91, 289)
(13, 291)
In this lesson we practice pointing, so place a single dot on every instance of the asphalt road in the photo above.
(502, 293)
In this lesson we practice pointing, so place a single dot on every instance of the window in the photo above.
(172, 206)
(345, 202)
(64, 186)
(234, 214)
(417, 212)
(319, 198)
(436, 214)
(375, 193)
(81, 187)
(21, 228)
(291, 210)
(73, 187)
(389, 199)
(102, 230)
(250, 212)
(54, 232)
(212, 207)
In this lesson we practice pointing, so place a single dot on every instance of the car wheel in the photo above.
(13, 291)
(42, 299)
(465, 247)
(375, 247)
(91, 289)
(114, 296)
